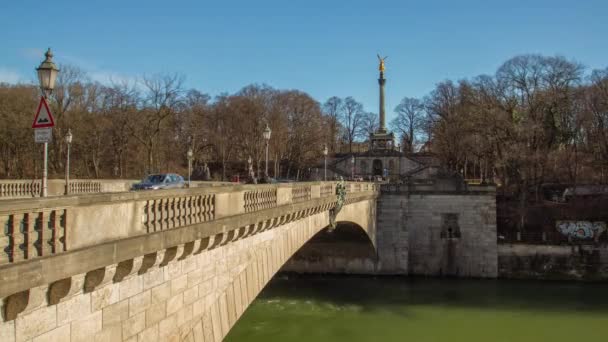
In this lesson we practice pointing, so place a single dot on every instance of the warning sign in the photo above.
(43, 118)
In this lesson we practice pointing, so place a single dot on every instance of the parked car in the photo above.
(160, 181)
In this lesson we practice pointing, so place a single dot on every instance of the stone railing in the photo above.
(42, 226)
(28, 188)
(16, 189)
(327, 190)
(300, 193)
(260, 199)
(167, 213)
(31, 234)
(85, 187)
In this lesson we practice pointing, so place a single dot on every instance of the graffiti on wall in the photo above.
(583, 230)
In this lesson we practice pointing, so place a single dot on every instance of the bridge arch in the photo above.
(264, 255)
(347, 249)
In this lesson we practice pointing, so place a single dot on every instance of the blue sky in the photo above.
(322, 47)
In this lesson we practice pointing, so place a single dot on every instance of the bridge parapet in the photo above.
(43, 227)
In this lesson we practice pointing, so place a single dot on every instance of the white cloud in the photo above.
(10, 76)
(110, 77)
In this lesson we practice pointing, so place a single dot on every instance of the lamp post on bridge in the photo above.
(47, 74)
(266, 135)
(325, 151)
(352, 170)
(68, 141)
(189, 154)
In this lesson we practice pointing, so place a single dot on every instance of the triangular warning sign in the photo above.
(43, 118)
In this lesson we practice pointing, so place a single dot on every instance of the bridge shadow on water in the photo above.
(398, 294)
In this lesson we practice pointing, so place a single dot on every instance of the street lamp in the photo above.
(189, 154)
(325, 151)
(352, 161)
(68, 141)
(266, 134)
(47, 74)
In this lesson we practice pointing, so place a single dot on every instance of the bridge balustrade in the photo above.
(38, 227)
(15, 189)
(300, 193)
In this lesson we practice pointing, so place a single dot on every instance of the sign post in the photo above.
(43, 133)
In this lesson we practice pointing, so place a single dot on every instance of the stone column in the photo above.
(381, 82)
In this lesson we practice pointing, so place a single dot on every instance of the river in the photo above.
(353, 309)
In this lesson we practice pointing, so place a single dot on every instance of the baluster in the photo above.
(55, 232)
(7, 242)
(161, 214)
(63, 232)
(156, 210)
(203, 208)
(189, 211)
(173, 212)
(180, 212)
(148, 216)
(20, 236)
(211, 201)
(170, 214)
(166, 217)
(31, 235)
(48, 233)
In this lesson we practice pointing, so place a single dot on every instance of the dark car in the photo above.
(160, 181)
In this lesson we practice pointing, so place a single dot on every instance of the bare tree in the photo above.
(332, 109)
(409, 121)
(162, 96)
(352, 119)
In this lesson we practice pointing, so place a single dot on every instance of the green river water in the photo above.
(352, 309)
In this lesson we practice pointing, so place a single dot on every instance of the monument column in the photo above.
(381, 81)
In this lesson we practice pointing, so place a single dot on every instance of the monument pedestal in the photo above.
(381, 140)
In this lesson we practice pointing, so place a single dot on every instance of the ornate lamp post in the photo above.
(68, 141)
(47, 74)
(325, 151)
(352, 161)
(189, 154)
(266, 135)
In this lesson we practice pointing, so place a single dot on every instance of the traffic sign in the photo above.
(43, 135)
(43, 118)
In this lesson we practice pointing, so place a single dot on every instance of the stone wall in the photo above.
(563, 262)
(392, 230)
(430, 229)
(452, 234)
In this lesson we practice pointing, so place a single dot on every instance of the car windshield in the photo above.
(154, 179)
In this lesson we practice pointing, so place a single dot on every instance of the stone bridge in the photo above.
(176, 265)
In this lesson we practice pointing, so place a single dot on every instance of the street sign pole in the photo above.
(43, 132)
(45, 169)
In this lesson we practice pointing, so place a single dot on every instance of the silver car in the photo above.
(160, 181)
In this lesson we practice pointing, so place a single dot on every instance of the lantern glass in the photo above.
(68, 137)
(47, 72)
(267, 132)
